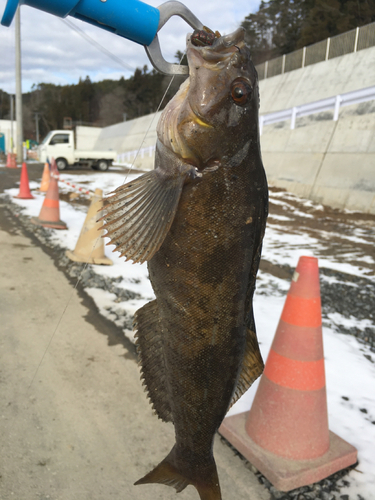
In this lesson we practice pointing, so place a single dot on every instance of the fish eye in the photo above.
(240, 92)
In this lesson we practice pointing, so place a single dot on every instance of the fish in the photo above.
(198, 219)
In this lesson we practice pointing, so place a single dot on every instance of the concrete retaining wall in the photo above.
(329, 162)
(131, 136)
(325, 79)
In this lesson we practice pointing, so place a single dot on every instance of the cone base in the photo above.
(31, 197)
(283, 473)
(105, 261)
(58, 224)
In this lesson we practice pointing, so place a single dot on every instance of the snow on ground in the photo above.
(350, 372)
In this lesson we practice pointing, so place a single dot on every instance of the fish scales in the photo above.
(197, 341)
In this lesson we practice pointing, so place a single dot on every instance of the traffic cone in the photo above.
(90, 245)
(54, 169)
(24, 193)
(11, 161)
(285, 434)
(49, 215)
(45, 178)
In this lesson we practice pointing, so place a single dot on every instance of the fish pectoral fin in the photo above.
(140, 213)
(151, 358)
(252, 366)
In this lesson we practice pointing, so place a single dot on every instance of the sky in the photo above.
(53, 52)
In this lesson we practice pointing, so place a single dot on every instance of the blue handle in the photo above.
(131, 19)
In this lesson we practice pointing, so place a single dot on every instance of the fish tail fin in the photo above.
(169, 474)
(165, 473)
(209, 488)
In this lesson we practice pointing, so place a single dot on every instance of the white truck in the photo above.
(61, 145)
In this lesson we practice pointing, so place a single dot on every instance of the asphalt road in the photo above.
(74, 420)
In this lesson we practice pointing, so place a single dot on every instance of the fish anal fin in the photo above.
(150, 350)
(252, 366)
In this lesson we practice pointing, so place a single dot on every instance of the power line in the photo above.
(97, 45)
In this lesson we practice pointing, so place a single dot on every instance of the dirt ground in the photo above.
(75, 423)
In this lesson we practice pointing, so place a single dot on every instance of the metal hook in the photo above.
(167, 10)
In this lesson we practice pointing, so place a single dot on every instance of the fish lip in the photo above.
(199, 120)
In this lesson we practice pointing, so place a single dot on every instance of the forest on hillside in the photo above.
(282, 26)
(278, 27)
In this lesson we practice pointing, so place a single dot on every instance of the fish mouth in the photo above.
(220, 51)
(199, 120)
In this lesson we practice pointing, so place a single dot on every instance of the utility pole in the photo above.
(19, 148)
(37, 127)
(11, 123)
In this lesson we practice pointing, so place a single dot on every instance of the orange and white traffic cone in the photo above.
(24, 192)
(45, 178)
(54, 169)
(90, 244)
(49, 215)
(11, 161)
(285, 434)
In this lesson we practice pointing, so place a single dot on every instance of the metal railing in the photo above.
(351, 41)
(130, 156)
(355, 97)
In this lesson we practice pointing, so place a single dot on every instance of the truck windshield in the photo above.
(46, 137)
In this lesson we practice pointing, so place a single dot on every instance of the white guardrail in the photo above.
(131, 155)
(355, 97)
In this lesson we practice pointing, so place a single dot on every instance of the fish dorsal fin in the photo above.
(139, 214)
(252, 366)
(151, 358)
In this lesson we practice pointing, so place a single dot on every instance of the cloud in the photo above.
(53, 52)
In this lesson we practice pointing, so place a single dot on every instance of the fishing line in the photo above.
(89, 258)
(95, 243)
(96, 44)
(152, 121)
(57, 326)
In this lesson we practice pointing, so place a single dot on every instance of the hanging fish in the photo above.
(198, 219)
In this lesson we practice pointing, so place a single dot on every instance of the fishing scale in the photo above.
(131, 19)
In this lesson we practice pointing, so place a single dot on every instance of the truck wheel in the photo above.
(102, 165)
(61, 163)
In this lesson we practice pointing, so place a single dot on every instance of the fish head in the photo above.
(215, 113)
